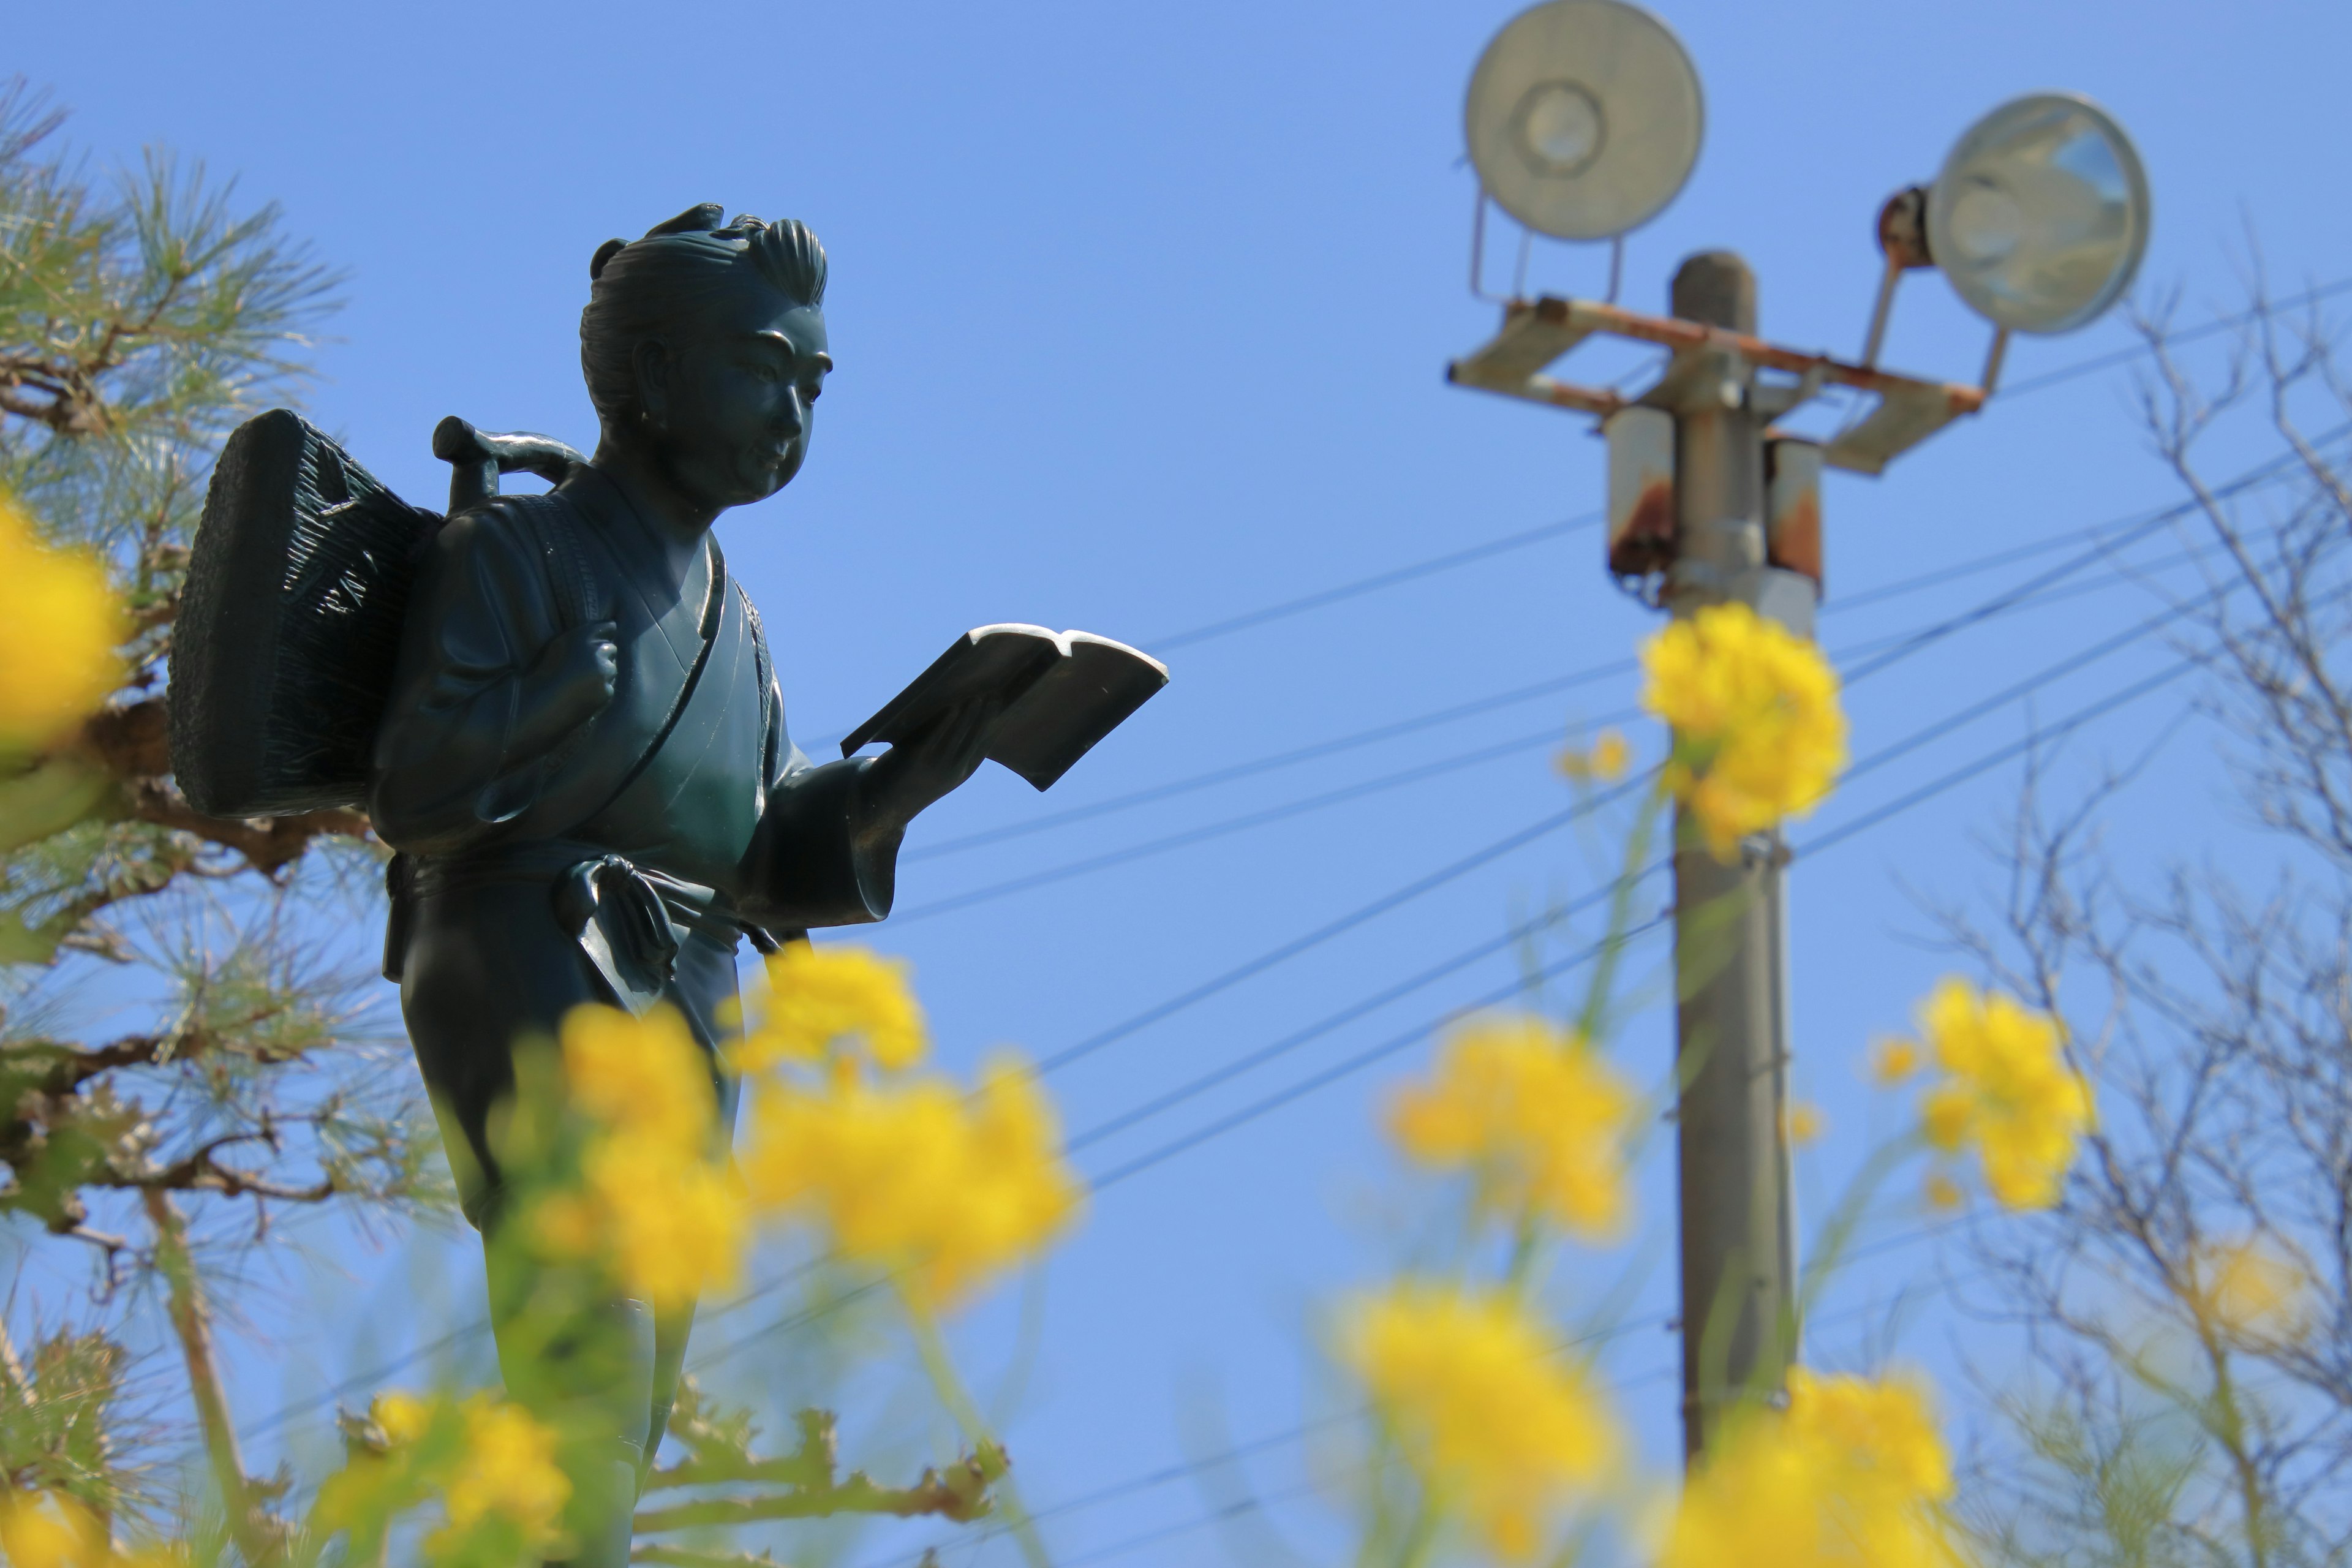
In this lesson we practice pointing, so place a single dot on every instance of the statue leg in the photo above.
(486, 967)
(703, 990)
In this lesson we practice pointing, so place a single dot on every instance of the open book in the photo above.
(1063, 692)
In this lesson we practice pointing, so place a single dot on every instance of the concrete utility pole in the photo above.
(1584, 120)
(1739, 1249)
(1710, 504)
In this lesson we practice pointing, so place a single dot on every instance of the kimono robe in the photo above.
(621, 863)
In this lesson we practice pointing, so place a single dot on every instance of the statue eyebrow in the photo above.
(774, 339)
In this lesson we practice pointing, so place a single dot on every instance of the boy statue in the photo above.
(584, 762)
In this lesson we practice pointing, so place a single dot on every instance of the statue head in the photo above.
(704, 348)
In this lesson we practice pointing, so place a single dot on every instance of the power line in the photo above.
(1494, 547)
(1455, 763)
(1186, 1143)
(1396, 729)
(1325, 933)
(1618, 1386)
(1378, 580)
(1169, 1101)
(1885, 754)
(1348, 1015)
(1910, 645)
(1197, 1137)
(1275, 1100)
(2190, 334)
(1391, 730)
(1549, 735)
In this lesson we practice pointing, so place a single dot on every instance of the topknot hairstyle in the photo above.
(637, 289)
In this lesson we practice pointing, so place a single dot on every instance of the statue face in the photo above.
(733, 402)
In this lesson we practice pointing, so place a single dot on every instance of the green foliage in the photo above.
(143, 315)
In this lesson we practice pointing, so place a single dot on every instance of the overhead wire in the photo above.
(1487, 550)
(1394, 577)
(1941, 727)
(1200, 1136)
(1165, 1475)
(1550, 735)
(1265, 1104)
(1283, 952)
(2108, 537)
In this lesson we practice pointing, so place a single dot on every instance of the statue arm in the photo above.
(485, 690)
(821, 856)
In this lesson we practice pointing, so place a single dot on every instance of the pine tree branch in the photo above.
(260, 1538)
(268, 843)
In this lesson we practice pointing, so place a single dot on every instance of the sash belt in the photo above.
(630, 920)
(615, 911)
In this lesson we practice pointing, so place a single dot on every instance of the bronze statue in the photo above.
(581, 756)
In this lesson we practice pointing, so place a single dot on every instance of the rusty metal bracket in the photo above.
(1537, 333)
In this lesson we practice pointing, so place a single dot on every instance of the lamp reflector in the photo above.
(2040, 214)
(1583, 118)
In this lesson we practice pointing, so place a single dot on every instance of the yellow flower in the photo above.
(1758, 734)
(1494, 1424)
(60, 628)
(1849, 1477)
(1893, 1062)
(645, 1076)
(675, 1227)
(2248, 1289)
(49, 1529)
(1943, 1193)
(920, 1176)
(1606, 761)
(1538, 1117)
(1806, 1125)
(492, 1464)
(509, 1471)
(2006, 1091)
(403, 1418)
(653, 1203)
(819, 998)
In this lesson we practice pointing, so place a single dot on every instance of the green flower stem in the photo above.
(958, 1402)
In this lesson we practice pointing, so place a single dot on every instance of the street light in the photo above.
(1583, 121)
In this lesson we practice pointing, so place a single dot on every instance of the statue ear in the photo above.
(650, 360)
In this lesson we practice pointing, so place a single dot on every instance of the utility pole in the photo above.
(1738, 1263)
(1584, 120)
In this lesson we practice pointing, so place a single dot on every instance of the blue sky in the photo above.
(1142, 315)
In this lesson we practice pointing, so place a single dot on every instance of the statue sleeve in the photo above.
(818, 859)
(454, 757)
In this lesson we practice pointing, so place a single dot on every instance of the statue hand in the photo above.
(924, 767)
(573, 680)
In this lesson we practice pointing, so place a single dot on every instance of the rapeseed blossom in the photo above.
(1758, 734)
(1496, 1424)
(653, 1202)
(820, 997)
(1540, 1120)
(1604, 761)
(2006, 1091)
(510, 1471)
(645, 1075)
(1850, 1475)
(492, 1465)
(48, 1529)
(1894, 1062)
(944, 1185)
(60, 628)
(2248, 1289)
